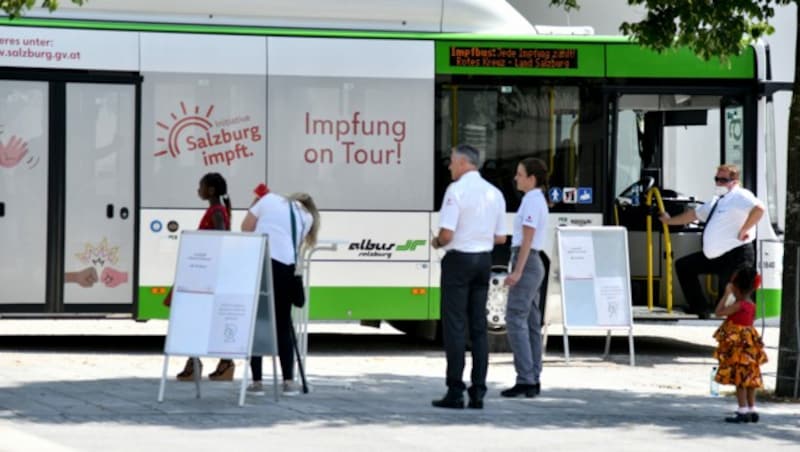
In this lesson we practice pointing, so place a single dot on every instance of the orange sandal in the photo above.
(187, 374)
(224, 371)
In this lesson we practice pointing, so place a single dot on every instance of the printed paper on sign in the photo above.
(198, 264)
(609, 296)
(579, 257)
(230, 324)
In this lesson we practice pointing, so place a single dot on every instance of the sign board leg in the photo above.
(544, 339)
(608, 344)
(196, 374)
(566, 345)
(630, 346)
(245, 379)
(162, 386)
(275, 377)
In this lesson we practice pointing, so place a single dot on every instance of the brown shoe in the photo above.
(224, 371)
(187, 374)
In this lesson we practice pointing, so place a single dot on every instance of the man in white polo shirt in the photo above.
(471, 222)
(728, 237)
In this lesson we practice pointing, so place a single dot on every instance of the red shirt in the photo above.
(745, 315)
(208, 218)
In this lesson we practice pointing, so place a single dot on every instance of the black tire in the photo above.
(498, 342)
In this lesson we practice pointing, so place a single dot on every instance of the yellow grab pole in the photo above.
(649, 229)
(710, 287)
(573, 151)
(454, 111)
(667, 251)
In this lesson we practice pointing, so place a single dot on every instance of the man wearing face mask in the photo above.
(730, 219)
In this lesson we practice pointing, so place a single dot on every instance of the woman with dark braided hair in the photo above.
(213, 189)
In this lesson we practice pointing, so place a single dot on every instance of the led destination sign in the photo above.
(507, 57)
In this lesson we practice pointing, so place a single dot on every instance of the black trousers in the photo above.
(282, 276)
(465, 286)
(691, 266)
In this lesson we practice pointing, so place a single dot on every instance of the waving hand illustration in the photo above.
(12, 152)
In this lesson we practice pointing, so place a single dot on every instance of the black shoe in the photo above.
(739, 418)
(753, 417)
(703, 315)
(452, 399)
(521, 390)
(476, 397)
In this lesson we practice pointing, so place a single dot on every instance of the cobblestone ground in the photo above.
(366, 397)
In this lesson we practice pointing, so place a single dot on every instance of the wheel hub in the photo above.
(496, 301)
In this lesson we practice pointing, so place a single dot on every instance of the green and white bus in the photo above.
(109, 116)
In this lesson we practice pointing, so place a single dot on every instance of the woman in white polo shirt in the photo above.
(523, 315)
(290, 223)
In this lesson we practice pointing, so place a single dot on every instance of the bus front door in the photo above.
(674, 141)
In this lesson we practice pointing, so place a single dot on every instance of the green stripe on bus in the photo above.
(368, 303)
(622, 58)
(276, 31)
(768, 303)
(635, 61)
(589, 58)
(208, 29)
(337, 303)
(434, 311)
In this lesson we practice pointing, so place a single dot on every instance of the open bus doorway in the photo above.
(672, 142)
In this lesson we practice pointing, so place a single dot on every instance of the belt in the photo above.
(468, 252)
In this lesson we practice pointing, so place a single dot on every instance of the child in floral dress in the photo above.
(740, 351)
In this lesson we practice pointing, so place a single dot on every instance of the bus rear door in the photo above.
(67, 205)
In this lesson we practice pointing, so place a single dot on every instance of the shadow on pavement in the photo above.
(356, 344)
(377, 399)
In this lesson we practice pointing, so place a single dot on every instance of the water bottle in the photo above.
(713, 388)
(635, 195)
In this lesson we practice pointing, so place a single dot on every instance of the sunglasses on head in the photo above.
(722, 180)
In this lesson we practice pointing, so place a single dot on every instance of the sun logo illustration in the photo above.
(170, 143)
(99, 255)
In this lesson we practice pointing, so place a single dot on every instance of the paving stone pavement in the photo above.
(367, 400)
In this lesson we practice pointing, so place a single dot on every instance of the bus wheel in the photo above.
(496, 310)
